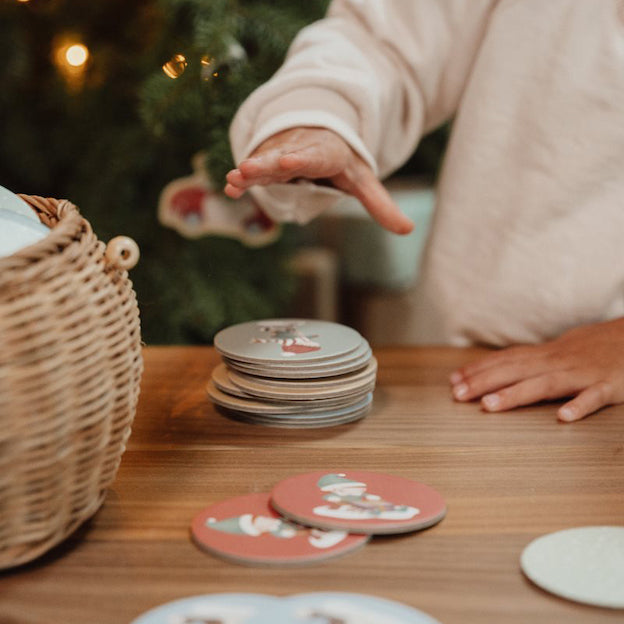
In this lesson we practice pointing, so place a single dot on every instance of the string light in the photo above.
(213, 67)
(206, 67)
(77, 55)
(71, 56)
(210, 66)
(175, 66)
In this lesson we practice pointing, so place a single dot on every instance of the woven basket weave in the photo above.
(70, 367)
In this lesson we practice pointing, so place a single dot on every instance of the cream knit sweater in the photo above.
(528, 235)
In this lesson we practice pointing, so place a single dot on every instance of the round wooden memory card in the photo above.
(239, 608)
(358, 501)
(348, 608)
(331, 407)
(297, 391)
(307, 372)
(247, 530)
(313, 608)
(362, 376)
(363, 353)
(221, 381)
(298, 422)
(277, 340)
(584, 564)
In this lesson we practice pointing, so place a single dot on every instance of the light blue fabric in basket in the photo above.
(10, 201)
(18, 231)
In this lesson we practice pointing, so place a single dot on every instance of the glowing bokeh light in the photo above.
(175, 67)
(76, 55)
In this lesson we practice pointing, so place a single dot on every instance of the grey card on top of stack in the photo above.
(293, 373)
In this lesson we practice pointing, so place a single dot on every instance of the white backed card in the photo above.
(584, 564)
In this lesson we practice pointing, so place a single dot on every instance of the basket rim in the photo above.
(66, 225)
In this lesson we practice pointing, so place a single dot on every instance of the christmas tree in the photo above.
(105, 102)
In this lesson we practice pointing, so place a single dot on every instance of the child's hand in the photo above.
(586, 363)
(317, 154)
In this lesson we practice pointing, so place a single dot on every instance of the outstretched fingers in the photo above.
(474, 382)
(317, 153)
(375, 198)
(281, 165)
(544, 387)
(521, 355)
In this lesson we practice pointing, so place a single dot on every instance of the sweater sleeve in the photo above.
(379, 74)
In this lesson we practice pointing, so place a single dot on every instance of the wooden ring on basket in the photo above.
(122, 252)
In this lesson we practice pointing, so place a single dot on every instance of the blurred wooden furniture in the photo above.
(507, 479)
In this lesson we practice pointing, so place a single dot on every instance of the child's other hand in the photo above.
(317, 154)
(586, 363)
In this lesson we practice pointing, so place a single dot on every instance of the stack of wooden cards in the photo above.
(293, 373)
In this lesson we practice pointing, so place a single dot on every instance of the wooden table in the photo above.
(506, 478)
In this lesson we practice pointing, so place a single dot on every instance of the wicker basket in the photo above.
(70, 367)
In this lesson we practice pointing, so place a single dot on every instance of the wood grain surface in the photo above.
(507, 479)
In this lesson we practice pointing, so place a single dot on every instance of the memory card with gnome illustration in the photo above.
(363, 502)
(247, 530)
(272, 341)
